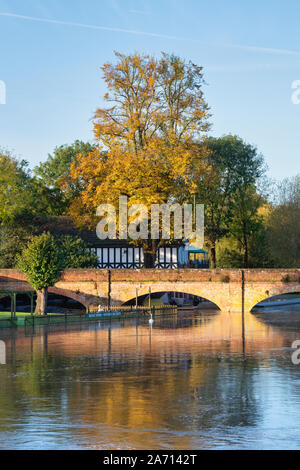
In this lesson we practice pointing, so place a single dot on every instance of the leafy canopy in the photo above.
(146, 135)
(283, 224)
(58, 164)
(76, 254)
(41, 261)
(227, 188)
(13, 238)
(47, 183)
(14, 180)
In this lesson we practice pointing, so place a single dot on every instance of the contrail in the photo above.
(266, 50)
(90, 26)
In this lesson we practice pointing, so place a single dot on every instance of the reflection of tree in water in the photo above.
(285, 318)
(176, 389)
(183, 321)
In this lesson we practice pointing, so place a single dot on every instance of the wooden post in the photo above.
(194, 213)
(136, 298)
(109, 288)
(11, 306)
(14, 304)
(31, 303)
(243, 309)
(150, 299)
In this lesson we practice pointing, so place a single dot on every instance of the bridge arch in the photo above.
(23, 300)
(80, 298)
(144, 292)
(270, 292)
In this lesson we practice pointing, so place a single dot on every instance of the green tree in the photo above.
(245, 220)
(44, 258)
(14, 180)
(283, 225)
(58, 164)
(231, 249)
(213, 188)
(13, 238)
(76, 254)
(49, 175)
(43, 200)
(42, 262)
(260, 255)
(233, 169)
(21, 195)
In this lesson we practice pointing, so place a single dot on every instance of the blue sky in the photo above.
(51, 52)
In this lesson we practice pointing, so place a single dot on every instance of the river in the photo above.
(188, 382)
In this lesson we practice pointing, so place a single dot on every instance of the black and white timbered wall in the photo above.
(133, 257)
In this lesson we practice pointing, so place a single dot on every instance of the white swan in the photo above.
(151, 321)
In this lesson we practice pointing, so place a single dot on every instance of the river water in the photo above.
(190, 382)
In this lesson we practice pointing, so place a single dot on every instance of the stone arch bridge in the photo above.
(232, 290)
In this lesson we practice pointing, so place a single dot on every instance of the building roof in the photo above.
(196, 250)
(65, 225)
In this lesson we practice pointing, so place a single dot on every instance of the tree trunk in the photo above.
(213, 260)
(245, 246)
(38, 303)
(150, 248)
(41, 301)
(149, 260)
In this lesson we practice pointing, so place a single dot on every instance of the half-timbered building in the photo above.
(121, 254)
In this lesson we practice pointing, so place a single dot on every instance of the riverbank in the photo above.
(26, 319)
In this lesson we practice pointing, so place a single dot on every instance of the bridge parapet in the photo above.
(272, 275)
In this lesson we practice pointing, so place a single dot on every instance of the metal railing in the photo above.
(133, 309)
(65, 318)
(8, 322)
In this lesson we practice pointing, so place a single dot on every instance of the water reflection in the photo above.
(186, 382)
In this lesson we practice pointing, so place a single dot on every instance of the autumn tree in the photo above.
(147, 138)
